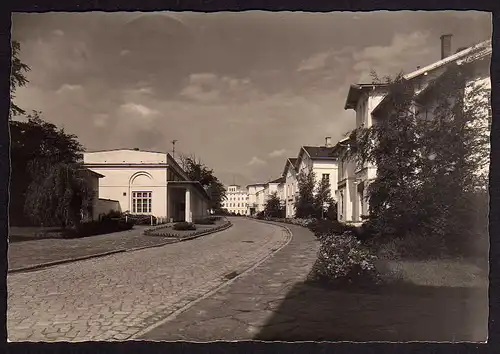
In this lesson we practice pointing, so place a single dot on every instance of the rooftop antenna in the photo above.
(173, 148)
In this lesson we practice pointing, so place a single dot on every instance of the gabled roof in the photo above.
(291, 161)
(320, 152)
(356, 90)
(475, 51)
(471, 53)
(277, 180)
(467, 55)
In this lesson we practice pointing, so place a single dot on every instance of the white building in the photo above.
(371, 104)
(146, 182)
(236, 200)
(255, 194)
(259, 193)
(291, 188)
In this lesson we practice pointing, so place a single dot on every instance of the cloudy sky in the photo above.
(241, 91)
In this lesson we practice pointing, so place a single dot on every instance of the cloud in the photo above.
(391, 59)
(317, 61)
(141, 91)
(101, 119)
(68, 88)
(209, 87)
(58, 32)
(124, 52)
(140, 109)
(254, 161)
(277, 153)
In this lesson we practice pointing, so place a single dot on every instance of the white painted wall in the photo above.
(290, 189)
(326, 167)
(237, 200)
(128, 171)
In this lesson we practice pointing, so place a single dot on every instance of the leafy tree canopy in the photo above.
(197, 171)
(274, 207)
(58, 193)
(17, 78)
(429, 150)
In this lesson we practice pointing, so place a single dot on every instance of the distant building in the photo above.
(255, 197)
(236, 200)
(148, 183)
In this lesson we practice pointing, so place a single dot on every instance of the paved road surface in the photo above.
(115, 297)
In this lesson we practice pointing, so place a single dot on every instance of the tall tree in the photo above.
(17, 78)
(274, 207)
(304, 205)
(58, 194)
(197, 171)
(324, 204)
(429, 155)
(36, 140)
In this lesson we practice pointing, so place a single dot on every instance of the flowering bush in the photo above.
(343, 260)
(159, 232)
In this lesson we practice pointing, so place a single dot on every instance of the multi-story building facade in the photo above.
(291, 188)
(321, 160)
(236, 200)
(255, 197)
(259, 193)
(371, 104)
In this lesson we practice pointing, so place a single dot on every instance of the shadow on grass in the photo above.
(397, 312)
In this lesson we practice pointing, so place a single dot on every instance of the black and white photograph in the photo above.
(254, 175)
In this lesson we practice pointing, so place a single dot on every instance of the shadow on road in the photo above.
(403, 312)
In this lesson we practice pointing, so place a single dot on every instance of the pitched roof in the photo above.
(471, 53)
(478, 50)
(355, 91)
(467, 55)
(320, 152)
(278, 180)
(291, 161)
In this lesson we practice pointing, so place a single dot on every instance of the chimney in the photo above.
(328, 141)
(445, 45)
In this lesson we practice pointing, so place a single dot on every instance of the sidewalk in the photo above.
(27, 255)
(31, 253)
(275, 303)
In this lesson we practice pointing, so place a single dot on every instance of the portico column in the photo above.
(187, 212)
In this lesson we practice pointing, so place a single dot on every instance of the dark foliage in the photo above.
(183, 226)
(93, 228)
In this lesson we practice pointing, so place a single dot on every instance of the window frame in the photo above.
(144, 201)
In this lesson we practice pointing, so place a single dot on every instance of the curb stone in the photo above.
(109, 253)
(63, 261)
(173, 315)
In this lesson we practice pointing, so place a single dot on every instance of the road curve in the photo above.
(115, 297)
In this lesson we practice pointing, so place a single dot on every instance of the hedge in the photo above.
(194, 233)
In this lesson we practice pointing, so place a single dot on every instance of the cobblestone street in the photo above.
(115, 297)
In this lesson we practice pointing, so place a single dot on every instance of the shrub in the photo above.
(104, 226)
(342, 260)
(184, 226)
(206, 221)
